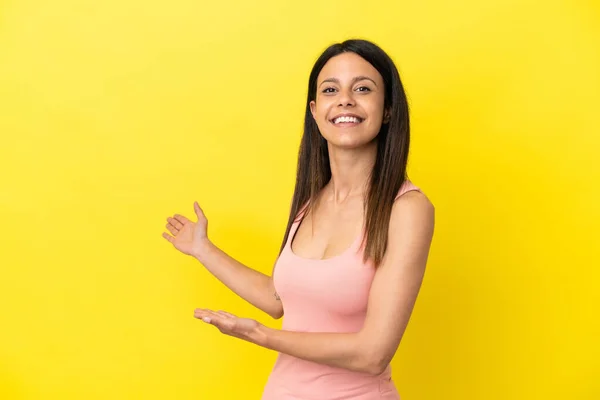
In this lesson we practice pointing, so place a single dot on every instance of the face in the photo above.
(349, 105)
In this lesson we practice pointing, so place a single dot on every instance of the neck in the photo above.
(350, 171)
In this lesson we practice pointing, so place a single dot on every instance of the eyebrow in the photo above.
(354, 80)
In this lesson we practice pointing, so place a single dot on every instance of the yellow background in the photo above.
(116, 114)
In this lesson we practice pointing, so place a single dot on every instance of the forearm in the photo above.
(342, 350)
(250, 284)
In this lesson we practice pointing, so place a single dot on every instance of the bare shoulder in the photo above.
(413, 202)
(412, 211)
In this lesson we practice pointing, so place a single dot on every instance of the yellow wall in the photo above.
(115, 114)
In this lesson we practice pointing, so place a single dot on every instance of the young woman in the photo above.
(357, 240)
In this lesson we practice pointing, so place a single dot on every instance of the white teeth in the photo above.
(346, 119)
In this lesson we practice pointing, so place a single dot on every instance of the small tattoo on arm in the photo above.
(277, 296)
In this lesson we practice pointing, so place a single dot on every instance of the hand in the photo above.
(241, 328)
(188, 237)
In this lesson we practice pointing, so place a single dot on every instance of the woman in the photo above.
(356, 244)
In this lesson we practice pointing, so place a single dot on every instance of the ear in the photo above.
(313, 105)
(386, 116)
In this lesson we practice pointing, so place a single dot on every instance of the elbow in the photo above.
(375, 351)
(375, 366)
(374, 363)
(277, 313)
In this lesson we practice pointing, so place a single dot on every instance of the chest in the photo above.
(327, 232)
(332, 288)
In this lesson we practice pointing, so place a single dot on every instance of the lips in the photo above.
(347, 119)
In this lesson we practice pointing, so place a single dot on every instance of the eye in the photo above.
(328, 90)
(363, 89)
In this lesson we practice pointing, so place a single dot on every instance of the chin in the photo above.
(349, 143)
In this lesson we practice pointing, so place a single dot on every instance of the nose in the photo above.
(346, 98)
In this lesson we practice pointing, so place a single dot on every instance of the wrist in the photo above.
(261, 335)
(202, 250)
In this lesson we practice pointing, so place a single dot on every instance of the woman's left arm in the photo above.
(391, 300)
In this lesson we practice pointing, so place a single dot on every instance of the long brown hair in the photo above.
(389, 170)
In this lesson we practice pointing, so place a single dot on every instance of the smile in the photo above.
(346, 120)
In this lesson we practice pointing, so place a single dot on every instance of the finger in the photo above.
(168, 237)
(174, 231)
(223, 323)
(176, 222)
(226, 314)
(214, 315)
(226, 321)
(198, 210)
(181, 219)
(200, 314)
(203, 314)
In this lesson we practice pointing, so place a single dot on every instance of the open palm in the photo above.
(229, 324)
(186, 236)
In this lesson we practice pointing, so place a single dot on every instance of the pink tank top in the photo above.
(327, 295)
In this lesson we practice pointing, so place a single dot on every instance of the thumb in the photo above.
(198, 210)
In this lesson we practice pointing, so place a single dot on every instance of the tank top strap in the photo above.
(407, 186)
(301, 213)
(296, 224)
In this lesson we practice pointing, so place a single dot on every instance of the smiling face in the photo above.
(349, 105)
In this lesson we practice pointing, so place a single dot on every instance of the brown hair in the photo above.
(389, 170)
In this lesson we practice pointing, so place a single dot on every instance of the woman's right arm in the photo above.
(251, 285)
(191, 238)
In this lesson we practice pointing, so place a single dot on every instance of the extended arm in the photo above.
(391, 300)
